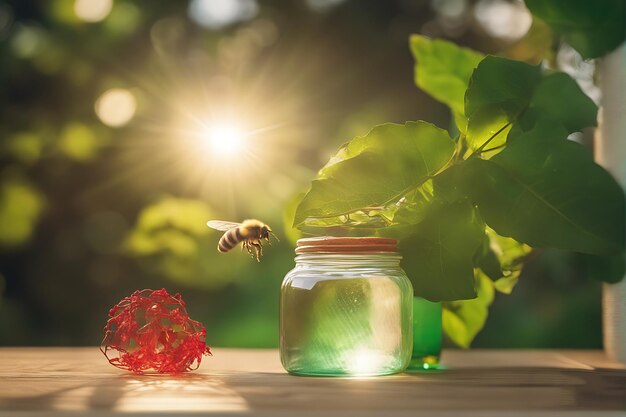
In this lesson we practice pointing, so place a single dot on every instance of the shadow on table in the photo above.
(456, 389)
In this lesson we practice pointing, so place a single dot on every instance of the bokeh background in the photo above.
(115, 121)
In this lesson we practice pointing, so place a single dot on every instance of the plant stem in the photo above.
(494, 148)
(492, 137)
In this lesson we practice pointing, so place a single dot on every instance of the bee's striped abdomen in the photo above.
(229, 240)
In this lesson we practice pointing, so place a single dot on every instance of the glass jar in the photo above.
(346, 309)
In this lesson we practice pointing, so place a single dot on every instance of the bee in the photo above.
(249, 233)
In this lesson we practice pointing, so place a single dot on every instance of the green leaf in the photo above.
(558, 97)
(374, 170)
(487, 124)
(447, 185)
(443, 70)
(487, 260)
(593, 28)
(358, 223)
(507, 98)
(510, 255)
(509, 252)
(547, 192)
(438, 254)
(505, 285)
(289, 212)
(462, 320)
(499, 91)
(413, 207)
(501, 259)
(503, 84)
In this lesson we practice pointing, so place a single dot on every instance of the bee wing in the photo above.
(222, 226)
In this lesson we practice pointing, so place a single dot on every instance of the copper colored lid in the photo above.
(346, 244)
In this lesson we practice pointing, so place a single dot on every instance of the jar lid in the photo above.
(346, 244)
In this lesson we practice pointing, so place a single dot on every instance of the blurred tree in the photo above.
(21, 205)
(103, 194)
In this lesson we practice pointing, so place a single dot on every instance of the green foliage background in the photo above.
(89, 213)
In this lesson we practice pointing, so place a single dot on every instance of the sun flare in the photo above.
(224, 139)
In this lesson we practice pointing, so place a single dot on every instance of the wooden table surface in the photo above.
(58, 381)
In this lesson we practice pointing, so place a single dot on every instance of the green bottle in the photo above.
(426, 334)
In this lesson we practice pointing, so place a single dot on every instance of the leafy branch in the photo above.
(467, 210)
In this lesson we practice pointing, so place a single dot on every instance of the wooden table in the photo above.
(55, 381)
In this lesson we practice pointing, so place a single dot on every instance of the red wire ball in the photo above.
(150, 331)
